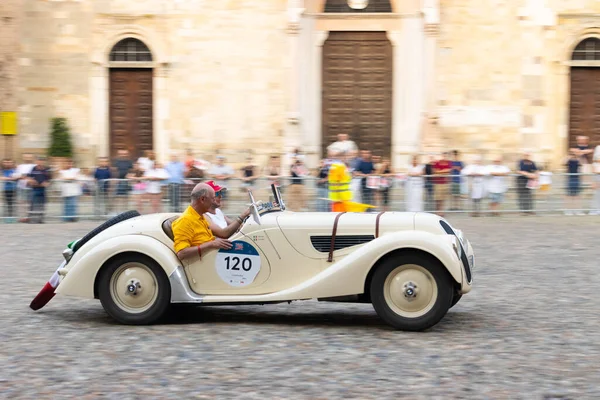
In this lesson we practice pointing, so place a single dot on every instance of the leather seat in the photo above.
(167, 227)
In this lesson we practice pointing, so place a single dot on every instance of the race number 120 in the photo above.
(233, 263)
(239, 265)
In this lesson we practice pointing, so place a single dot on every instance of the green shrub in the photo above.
(60, 135)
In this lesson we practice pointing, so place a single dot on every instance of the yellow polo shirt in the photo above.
(191, 229)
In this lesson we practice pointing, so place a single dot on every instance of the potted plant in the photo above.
(61, 147)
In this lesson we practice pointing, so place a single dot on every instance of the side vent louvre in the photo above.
(323, 243)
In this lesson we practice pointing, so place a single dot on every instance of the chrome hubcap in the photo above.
(410, 291)
(134, 287)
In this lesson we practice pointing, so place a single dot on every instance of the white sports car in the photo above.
(411, 266)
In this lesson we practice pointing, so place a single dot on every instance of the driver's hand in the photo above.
(219, 243)
(246, 213)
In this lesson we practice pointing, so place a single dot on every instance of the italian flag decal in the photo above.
(47, 292)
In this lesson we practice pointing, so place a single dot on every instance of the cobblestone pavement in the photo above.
(529, 329)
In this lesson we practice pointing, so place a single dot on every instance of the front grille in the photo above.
(323, 243)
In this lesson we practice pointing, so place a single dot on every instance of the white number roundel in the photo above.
(239, 265)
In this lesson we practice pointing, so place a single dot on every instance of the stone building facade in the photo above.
(10, 16)
(401, 76)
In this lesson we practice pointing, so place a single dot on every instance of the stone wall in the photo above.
(9, 47)
(502, 83)
(222, 64)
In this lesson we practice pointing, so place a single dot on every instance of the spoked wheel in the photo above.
(134, 290)
(411, 292)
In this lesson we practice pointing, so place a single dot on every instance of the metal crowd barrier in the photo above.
(101, 200)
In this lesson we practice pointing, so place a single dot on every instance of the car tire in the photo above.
(412, 292)
(455, 299)
(113, 221)
(134, 290)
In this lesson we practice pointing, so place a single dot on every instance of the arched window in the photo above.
(587, 50)
(358, 6)
(130, 50)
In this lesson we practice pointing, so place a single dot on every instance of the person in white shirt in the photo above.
(154, 179)
(415, 183)
(147, 162)
(595, 208)
(70, 190)
(220, 172)
(476, 172)
(24, 191)
(496, 184)
(343, 145)
(221, 225)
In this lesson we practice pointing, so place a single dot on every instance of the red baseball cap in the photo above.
(216, 187)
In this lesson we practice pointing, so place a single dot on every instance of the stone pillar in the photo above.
(293, 132)
(314, 82)
(431, 138)
(99, 108)
(408, 90)
(161, 114)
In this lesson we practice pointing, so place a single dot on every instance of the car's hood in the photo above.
(309, 232)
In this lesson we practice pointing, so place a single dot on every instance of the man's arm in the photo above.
(218, 243)
(232, 225)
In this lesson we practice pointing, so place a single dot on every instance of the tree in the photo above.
(60, 145)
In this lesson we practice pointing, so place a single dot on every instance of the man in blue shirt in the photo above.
(457, 167)
(102, 176)
(176, 171)
(39, 180)
(364, 169)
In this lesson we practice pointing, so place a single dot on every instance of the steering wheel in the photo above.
(254, 209)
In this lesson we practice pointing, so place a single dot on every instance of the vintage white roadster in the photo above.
(411, 266)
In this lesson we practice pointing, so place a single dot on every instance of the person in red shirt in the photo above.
(441, 183)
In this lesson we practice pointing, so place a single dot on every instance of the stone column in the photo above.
(99, 104)
(293, 132)
(431, 138)
(408, 89)
(314, 81)
(161, 114)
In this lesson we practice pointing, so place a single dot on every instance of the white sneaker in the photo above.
(568, 212)
(579, 213)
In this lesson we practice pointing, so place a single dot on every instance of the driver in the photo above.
(191, 231)
(221, 225)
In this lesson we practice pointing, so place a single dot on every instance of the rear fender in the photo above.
(81, 276)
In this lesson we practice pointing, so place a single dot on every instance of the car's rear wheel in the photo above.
(134, 289)
(411, 292)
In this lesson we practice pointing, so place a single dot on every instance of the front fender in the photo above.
(348, 276)
(81, 275)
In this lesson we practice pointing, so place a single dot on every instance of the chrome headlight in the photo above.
(457, 247)
(67, 254)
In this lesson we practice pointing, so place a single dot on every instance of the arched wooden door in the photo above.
(357, 90)
(584, 118)
(131, 94)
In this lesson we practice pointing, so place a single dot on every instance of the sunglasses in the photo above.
(218, 194)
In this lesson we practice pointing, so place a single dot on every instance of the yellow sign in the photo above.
(8, 123)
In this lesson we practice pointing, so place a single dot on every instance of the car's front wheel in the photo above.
(411, 292)
(134, 289)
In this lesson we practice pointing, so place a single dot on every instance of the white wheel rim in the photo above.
(134, 287)
(410, 291)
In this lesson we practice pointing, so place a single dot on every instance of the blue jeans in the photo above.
(323, 205)
(175, 197)
(70, 212)
(38, 205)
